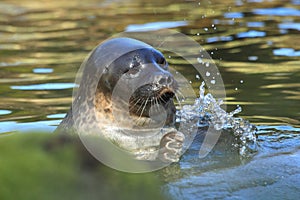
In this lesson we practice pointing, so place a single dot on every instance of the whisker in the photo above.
(180, 93)
(132, 107)
(177, 98)
(140, 107)
(160, 98)
(134, 99)
(144, 107)
(155, 103)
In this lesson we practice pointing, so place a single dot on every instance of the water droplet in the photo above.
(241, 81)
(207, 73)
(200, 60)
(212, 25)
(235, 89)
(208, 111)
(212, 53)
(198, 34)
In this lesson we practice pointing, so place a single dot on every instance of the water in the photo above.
(255, 45)
(207, 111)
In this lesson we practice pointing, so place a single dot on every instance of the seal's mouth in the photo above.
(165, 94)
(147, 96)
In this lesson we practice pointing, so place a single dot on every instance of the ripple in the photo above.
(290, 25)
(226, 38)
(40, 126)
(217, 39)
(45, 86)
(212, 39)
(286, 52)
(279, 128)
(56, 116)
(255, 1)
(154, 26)
(251, 34)
(252, 58)
(233, 15)
(5, 112)
(255, 24)
(280, 11)
(42, 70)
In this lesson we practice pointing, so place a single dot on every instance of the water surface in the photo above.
(255, 45)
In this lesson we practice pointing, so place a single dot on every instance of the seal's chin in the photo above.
(140, 104)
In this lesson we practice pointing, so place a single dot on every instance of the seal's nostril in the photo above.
(162, 81)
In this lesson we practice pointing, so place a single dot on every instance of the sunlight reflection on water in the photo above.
(277, 11)
(42, 70)
(154, 26)
(45, 86)
(286, 52)
(5, 112)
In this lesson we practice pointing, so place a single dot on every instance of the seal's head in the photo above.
(140, 78)
(124, 77)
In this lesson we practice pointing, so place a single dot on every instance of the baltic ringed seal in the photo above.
(125, 85)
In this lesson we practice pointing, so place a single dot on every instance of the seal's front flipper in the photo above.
(171, 147)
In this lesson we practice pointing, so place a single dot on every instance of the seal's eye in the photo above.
(161, 61)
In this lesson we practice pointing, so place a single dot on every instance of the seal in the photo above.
(126, 94)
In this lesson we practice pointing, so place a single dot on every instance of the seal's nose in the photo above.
(164, 79)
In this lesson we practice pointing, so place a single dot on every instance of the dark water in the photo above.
(255, 44)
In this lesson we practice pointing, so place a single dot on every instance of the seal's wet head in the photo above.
(144, 74)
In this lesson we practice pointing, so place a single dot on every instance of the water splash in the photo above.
(207, 111)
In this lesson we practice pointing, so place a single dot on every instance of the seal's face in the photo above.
(144, 74)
